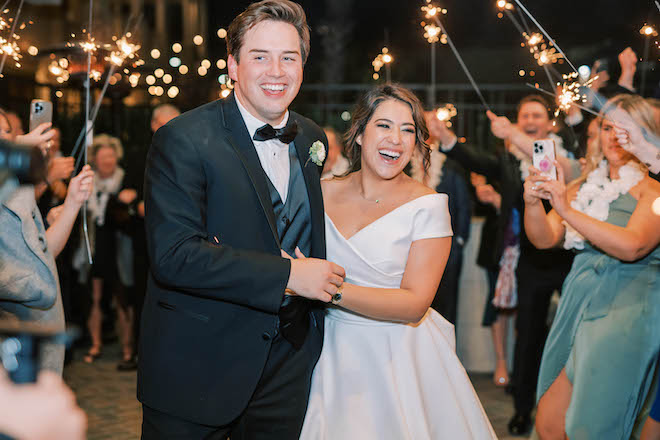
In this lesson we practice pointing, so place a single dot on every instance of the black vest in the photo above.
(293, 218)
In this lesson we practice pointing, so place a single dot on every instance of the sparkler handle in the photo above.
(88, 247)
(514, 21)
(460, 61)
(531, 17)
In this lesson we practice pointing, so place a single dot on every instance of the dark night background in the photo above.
(586, 30)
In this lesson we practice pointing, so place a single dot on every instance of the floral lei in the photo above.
(597, 193)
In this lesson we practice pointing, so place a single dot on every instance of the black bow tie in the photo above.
(286, 134)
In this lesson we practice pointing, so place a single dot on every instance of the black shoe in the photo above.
(520, 424)
(127, 365)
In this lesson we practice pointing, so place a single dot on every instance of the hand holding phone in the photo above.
(543, 157)
(41, 112)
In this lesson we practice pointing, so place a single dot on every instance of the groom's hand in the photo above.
(314, 278)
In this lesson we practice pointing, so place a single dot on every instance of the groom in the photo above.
(227, 349)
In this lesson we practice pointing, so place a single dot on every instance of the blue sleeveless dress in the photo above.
(606, 335)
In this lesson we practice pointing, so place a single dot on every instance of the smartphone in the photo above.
(40, 111)
(543, 157)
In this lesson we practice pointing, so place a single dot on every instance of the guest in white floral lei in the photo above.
(599, 360)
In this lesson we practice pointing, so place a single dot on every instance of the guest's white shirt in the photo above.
(273, 154)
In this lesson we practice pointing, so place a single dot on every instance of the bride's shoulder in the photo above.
(333, 184)
(418, 189)
(335, 187)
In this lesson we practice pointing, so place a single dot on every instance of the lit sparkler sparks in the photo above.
(572, 92)
(125, 51)
(504, 5)
(445, 113)
(648, 31)
(432, 32)
(430, 10)
(8, 46)
(543, 54)
(381, 60)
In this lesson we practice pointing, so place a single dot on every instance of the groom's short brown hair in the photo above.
(278, 10)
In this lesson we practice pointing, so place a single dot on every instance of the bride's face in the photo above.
(388, 139)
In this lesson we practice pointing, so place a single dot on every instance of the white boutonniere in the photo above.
(317, 153)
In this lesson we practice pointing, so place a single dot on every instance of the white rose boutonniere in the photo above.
(317, 153)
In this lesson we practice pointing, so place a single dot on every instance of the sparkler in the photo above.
(648, 31)
(438, 22)
(9, 46)
(552, 42)
(433, 34)
(382, 59)
(445, 113)
(570, 96)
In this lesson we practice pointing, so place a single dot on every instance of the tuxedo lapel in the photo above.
(311, 173)
(239, 139)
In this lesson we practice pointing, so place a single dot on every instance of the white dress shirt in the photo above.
(273, 154)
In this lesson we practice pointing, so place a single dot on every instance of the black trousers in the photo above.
(276, 410)
(445, 301)
(535, 288)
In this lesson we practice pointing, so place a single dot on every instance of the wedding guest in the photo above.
(163, 114)
(495, 317)
(651, 430)
(599, 361)
(112, 269)
(446, 177)
(16, 124)
(28, 274)
(60, 168)
(45, 410)
(336, 163)
(527, 277)
(134, 217)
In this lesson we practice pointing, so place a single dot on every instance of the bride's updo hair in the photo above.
(365, 109)
(637, 108)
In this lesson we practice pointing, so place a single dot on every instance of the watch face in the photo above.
(336, 298)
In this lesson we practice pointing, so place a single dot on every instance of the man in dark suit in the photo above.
(227, 348)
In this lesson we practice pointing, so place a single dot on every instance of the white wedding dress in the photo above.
(380, 380)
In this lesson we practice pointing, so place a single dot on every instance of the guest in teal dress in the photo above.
(598, 372)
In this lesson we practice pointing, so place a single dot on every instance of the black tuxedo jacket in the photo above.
(217, 279)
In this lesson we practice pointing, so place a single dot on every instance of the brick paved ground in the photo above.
(108, 398)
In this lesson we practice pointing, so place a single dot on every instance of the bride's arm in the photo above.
(426, 263)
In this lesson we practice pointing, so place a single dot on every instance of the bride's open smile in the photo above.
(388, 139)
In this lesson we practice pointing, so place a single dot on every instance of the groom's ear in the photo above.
(232, 68)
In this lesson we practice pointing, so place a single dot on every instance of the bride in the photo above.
(388, 369)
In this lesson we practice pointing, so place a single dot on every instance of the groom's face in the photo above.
(270, 70)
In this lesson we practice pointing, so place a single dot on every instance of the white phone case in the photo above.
(543, 157)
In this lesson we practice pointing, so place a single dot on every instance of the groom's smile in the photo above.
(268, 70)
